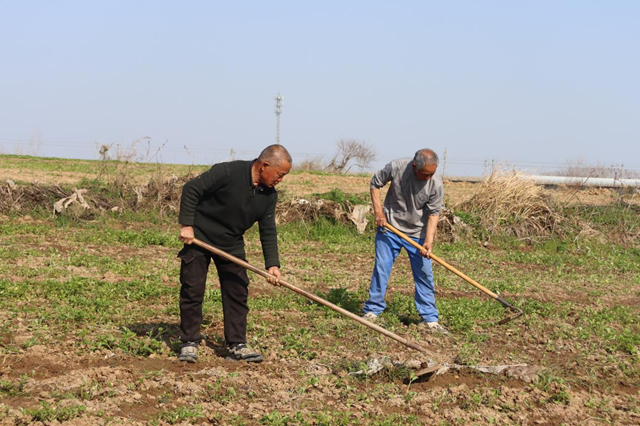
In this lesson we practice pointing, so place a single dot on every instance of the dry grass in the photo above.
(160, 193)
(505, 202)
(16, 198)
(451, 228)
(309, 211)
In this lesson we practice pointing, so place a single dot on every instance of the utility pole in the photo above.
(278, 110)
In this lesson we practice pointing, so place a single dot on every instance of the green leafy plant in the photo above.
(182, 414)
(48, 412)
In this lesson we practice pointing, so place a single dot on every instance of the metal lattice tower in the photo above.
(278, 110)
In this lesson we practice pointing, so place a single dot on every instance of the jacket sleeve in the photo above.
(193, 191)
(269, 236)
(382, 177)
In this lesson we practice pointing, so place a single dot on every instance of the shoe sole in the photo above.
(258, 358)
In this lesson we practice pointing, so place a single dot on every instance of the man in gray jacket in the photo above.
(413, 206)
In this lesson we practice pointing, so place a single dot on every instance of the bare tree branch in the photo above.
(349, 153)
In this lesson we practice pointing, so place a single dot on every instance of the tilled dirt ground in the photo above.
(291, 387)
(119, 389)
(65, 360)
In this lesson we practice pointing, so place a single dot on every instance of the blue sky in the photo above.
(532, 83)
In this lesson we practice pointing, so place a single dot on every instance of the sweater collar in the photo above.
(249, 175)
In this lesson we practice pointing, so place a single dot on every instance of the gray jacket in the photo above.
(410, 201)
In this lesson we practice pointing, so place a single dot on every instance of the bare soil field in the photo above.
(89, 320)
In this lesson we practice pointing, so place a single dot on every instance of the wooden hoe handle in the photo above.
(313, 297)
(452, 269)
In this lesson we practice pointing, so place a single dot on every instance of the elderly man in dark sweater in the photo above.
(218, 207)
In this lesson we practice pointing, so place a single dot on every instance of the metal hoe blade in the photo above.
(517, 312)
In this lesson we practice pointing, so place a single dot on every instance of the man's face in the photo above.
(426, 172)
(271, 175)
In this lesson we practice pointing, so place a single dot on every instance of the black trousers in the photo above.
(234, 286)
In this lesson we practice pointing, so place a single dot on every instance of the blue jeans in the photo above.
(388, 246)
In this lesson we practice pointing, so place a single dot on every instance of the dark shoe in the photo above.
(189, 352)
(242, 352)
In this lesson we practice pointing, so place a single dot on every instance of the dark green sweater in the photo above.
(222, 203)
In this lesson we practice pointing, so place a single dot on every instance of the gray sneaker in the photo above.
(243, 352)
(434, 327)
(370, 316)
(189, 352)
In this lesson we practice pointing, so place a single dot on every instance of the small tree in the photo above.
(349, 153)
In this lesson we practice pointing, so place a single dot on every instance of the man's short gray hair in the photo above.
(425, 157)
(275, 154)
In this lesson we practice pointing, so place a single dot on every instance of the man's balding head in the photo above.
(275, 155)
(273, 164)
